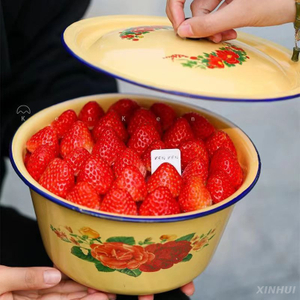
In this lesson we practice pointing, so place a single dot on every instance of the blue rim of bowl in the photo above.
(177, 93)
(180, 217)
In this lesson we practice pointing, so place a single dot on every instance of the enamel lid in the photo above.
(147, 52)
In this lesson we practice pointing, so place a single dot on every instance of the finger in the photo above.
(146, 297)
(231, 16)
(188, 289)
(223, 36)
(203, 7)
(15, 279)
(64, 287)
(69, 296)
(175, 12)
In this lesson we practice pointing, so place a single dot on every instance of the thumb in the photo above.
(14, 279)
(222, 20)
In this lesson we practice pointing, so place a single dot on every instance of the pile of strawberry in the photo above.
(102, 160)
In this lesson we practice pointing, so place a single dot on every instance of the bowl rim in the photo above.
(173, 92)
(139, 219)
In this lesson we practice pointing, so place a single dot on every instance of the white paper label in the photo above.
(171, 156)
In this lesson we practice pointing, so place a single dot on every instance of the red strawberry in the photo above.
(193, 149)
(165, 175)
(200, 126)
(84, 194)
(125, 108)
(90, 114)
(194, 195)
(45, 136)
(113, 120)
(120, 202)
(219, 139)
(78, 136)
(77, 158)
(180, 131)
(224, 160)
(26, 157)
(58, 178)
(64, 122)
(142, 138)
(98, 173)
(146, 157)
(166, 114)
(39, 160)
(133, 182)
(141, 117)
(109, 146)
(196, 168)
(159, 203)
(128, 158)
(219, 186)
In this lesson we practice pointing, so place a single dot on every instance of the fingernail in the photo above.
(185, 30)
(52, 276)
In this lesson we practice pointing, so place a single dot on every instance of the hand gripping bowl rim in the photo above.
(137, 219)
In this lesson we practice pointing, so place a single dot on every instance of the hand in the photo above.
(219, 25)
(43, 283)
(188, 289)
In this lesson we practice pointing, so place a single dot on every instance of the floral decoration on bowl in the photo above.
(124, 255)
(227, 56)
(137, 33)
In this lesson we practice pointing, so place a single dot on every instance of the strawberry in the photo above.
(26, 157)
(113, 120)
(125, 108)
(45, 136)
(141, 117)
(224, 160)
(142, 138)
(98, 173)
(84, 194)
(194, 195)
(132, 181)
(128, 158)
(193, 149)
(146, 157)
(219, 186)
(109, 146)
(200, 125)
(196, 168)
(165, 175)
(64, 122)
(120, 202)
(180, 131)
(39, 160)
(58, 178)
(165, 113)
(90, 114)
(159, 203)
(219, 139)
(78, 136)
(77, 158)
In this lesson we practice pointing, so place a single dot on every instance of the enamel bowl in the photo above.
(130, 255)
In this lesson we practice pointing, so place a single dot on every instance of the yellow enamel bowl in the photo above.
(130, 255)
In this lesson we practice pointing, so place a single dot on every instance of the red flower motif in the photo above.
(228, 56)
(215, 62)
(193, 57)
(135, 40)
(236, 48)
(166, 255)
(116, 255)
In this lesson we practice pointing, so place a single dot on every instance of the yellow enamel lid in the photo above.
(146, 51)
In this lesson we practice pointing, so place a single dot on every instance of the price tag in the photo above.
(171, 156)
